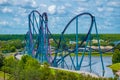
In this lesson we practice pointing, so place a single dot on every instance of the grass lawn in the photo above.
(96, 54)
(92, 54)
(115, 67)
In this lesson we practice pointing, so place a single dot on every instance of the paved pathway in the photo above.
(79, 72)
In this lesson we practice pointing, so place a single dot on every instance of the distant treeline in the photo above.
(5, 37)
(108, 37)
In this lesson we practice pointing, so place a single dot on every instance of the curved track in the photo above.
(38, 44)
(37, 36)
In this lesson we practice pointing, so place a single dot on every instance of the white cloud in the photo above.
(68, 5)
(21, 12)
(33, 3)
(79, 10)
(3, 22)
(6, 24)
(30, 4)
(17, 11)
(107, 22)
(17, 20)
(113, 3)
(52, 9)
(99, 2)
(27, 3)
(61, 9)
(7, 10)
(109, 9)
(3, 1)
(100, 9)
(21, 3)
(43, 5)
(81, 0)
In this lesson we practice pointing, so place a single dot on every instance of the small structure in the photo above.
(72, 42)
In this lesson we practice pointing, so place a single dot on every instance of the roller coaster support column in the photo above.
(30, 44)
(99, 46)
(83, 53)
(45, 38)
(46, 41)
(89, 53)
(87, 40)
(77, 44)
(42, 43)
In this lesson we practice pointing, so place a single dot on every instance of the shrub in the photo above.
(29, 68)
(116, 56)
(117, 47)
(13, 49)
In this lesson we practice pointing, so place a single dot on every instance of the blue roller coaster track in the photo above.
(38, 43)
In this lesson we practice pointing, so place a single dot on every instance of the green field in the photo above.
(115, 67)
(86, 54)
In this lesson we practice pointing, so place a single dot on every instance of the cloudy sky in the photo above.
(14, 20)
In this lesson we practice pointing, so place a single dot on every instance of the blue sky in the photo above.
(14, 20)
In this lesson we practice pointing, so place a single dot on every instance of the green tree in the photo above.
(116, 56)
(9, 64)
(118, 47)
(30, 69)
(12, 49)
(25, 69)
(1, 60)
